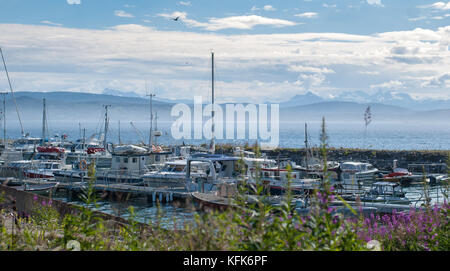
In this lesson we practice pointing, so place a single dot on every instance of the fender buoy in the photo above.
(83, 164)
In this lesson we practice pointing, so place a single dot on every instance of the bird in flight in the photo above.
(176, 19)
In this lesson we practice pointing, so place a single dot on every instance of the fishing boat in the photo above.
(93, 148)
(382, 192)
(173, 174)
(219, 169)
(353, 176)
(37, 188)
(212, 201)
(225, 197)
(128, 165)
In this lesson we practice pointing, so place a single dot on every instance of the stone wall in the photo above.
(24, 202)
(382, 159)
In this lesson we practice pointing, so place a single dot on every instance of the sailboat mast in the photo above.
(84, 139)
(306, 146)
(156, 127)
(150, 140)
(44, 128)
(120, 141)
(106, 125)
(4, 119)
(213, 143)
(12, 92)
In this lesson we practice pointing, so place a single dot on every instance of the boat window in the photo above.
(55, 166)
(348, 167)
(134, 160)
(388, 190)
(118, 159)
(125, 160)
(178, 168)
(157, 158)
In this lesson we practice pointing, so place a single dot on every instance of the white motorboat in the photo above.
(353, 175)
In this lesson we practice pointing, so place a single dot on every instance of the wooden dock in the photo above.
(163, 194)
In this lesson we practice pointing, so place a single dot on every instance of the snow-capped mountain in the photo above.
(382, 97)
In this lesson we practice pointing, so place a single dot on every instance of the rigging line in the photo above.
(12, 92)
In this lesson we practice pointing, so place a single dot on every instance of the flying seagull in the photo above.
(176, 19)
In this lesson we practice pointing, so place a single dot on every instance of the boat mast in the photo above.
(106, 125)
(213, 143)
(156, 128)
(120, 141)
(150, 140)
(306, 147)
(84, 140)
(44, 122)
(4, 118)
(12, 92)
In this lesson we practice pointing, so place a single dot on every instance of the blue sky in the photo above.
(264, 49)
(346, 16)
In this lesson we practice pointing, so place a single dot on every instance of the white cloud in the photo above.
(442, 80)
(369, 72)
(375, 3)
(269, 8)
(232, 22)
(440, 6)
(329, 6)
(50, 23)
(74, 2)
(307, 15)
(266, 8)
(392, 85)
(121, 13)
(417, 19)
(250, 66)
(188, 3)
(305, 69)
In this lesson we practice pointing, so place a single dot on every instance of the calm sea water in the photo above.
(167, 214)
(390, 136)
(172, 214)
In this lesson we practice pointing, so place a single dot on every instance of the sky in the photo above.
(264, 50)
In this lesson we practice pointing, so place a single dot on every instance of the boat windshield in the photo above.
(384, 190)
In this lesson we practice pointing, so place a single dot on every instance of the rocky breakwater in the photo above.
(381, 159)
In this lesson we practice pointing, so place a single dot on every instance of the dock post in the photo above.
(160, 197)
(154, 196)
(171, 197)
(167, 197)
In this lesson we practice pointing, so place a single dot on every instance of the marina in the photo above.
(198, 174)
(150, 126)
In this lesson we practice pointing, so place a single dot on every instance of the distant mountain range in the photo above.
(80, 107)
(381, 97)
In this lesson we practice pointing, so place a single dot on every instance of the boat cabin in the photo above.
(137, 162)
(387, 188)
(220, 169)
